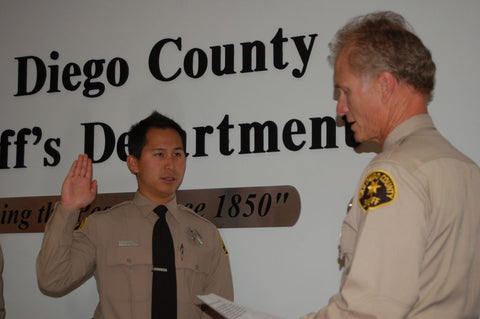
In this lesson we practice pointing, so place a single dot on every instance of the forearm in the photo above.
(64, 259)
(370, 306)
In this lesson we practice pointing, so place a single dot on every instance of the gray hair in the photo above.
(384, 41)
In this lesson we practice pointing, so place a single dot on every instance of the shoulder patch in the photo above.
(81, 224)
(124, 203)
(378, 189)
(224, 248)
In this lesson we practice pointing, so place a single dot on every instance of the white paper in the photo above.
(231, 310)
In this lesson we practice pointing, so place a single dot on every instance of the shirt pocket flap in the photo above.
(128, 256)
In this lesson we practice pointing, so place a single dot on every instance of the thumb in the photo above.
(94, 187)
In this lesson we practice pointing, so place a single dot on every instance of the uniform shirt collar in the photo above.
(146, 206)
(415, 123)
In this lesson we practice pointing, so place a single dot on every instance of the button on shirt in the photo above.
(116, 246)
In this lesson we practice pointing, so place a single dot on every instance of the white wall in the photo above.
(285, 271)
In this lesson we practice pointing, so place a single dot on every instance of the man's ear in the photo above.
(388, 83)
(132, 163)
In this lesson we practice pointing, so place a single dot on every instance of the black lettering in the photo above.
(154, 59)
(93, 69)
(258, 130)
(109, 141)
(277, 42)
(303, 52)
(71, 70)
(4, 146)
(349, 135)
(224, 142)
(25, 215)
(200, 133)
(330, 130)
(117, 75)
(288, 131)
(247, 52)
(52, 151)
(122, 147)
(188, 63)
(117, 72)
(20, 143)
(40, 75)
(217, 60)
(53, 73)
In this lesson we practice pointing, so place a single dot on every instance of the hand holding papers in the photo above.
(230, 310)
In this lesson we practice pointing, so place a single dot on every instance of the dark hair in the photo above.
(384, 41)
(137, 136)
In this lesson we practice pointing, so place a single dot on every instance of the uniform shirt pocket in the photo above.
(193, 266)
(128, 273)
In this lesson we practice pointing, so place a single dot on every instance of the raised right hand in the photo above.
(79, 189)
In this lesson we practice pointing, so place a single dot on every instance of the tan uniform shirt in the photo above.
(411, 241)
(116, 246)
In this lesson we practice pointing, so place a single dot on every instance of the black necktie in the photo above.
(164, 285)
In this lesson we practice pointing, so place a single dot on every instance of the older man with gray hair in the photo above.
(410, 244)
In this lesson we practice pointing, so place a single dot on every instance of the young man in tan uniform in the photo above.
(116, 245)
(410, 243)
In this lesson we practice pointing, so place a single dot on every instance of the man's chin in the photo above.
(367, 146)
(351, 138)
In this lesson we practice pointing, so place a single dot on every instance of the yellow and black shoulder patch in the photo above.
(81, 224)
(224, 248)
(378, 189)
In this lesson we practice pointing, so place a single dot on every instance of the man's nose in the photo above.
(169, 162)
(342, 108)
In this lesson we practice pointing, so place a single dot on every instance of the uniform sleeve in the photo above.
(220, 276)
(67, 257)
(383, 278)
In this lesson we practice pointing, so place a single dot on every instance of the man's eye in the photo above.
(158, 154)
(336, 94)
(339, 93)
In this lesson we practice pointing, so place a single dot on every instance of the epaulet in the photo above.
(108, 210)
(80, 224)
(127, 202)
(189, 211)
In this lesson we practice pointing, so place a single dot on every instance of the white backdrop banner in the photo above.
(250, 84)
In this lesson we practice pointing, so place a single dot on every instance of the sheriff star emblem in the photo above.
(378, 190)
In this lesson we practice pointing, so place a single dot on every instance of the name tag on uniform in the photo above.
(128, 243)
